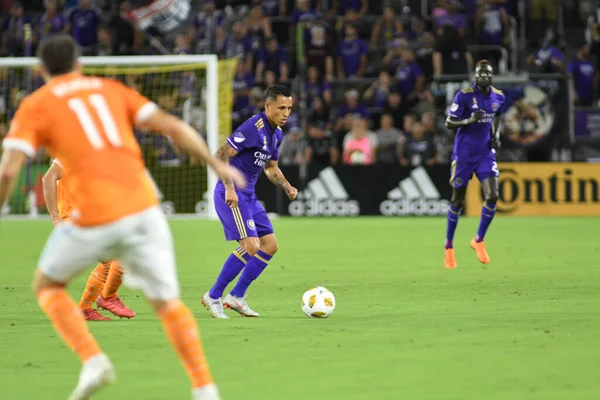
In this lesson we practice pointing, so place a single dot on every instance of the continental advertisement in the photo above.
(560, 189)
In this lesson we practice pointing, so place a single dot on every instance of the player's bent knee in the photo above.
(270, 247)
(457, 203)
(41, 281)
(251, 245)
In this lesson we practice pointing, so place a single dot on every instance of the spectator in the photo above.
(272, 58)
(419, 150)
(350, 17)
(377, 93)
(407, 123)
(359, 6)
(254, 106)
(424, 54)
(50, 22)
(259, 26)
(290, 151)
(83, 22)
(182, 44)
(386, 29)
(393, 57)
(543, 14)
(583, 73)
(320, 113)
(350, 106)
(272, 8)
(396, 108)
(440, 10)
(548, 59)
(322, 148)
(315, 87)
(239, 44)
(452, 18)
(127, 38)
(13, 33)
(428, 121)
(104, 47)
(409, 78)
(352, 55)
(207, 30)
(360, 144)
(242, 83)
(318, 52)
(451, 56)
(492, 27)
(303, 14)
(389, 138)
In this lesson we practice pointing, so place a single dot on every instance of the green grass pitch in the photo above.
(525, 327)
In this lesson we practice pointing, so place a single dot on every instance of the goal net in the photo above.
(197, 88)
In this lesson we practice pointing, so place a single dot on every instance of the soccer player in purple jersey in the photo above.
(475, 114)
(252, 148)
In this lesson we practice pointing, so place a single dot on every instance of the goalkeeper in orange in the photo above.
(105, 280)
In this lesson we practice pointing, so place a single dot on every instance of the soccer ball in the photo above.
(318, 302)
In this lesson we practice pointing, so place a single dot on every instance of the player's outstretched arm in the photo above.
(186, 138)
(10, 165)
(275, 175)
(49, 180)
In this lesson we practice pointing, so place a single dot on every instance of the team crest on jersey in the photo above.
(265, 142)
(474, 106)
(238, 137)
(251, 224)
(495, 106)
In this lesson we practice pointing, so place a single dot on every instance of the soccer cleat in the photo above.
(208, 392)
(449, 259)
(215, 306)
(115, 306)
(479, 248)
(91, 314)
(96, 373)
(239, 305)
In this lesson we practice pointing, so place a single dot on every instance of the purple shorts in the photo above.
(248, 219)
(461, 172)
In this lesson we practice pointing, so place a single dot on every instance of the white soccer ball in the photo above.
(318, 302)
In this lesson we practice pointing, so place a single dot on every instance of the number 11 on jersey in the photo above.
(99, 105)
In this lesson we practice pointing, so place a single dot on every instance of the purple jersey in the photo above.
(256, 142)
(472, 141)
(583, 73)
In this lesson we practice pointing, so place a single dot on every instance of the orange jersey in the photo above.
(87, 123)
(63, 195)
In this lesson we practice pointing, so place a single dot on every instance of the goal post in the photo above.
(197, 88)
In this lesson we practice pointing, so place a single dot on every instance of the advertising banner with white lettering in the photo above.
(341, 191)
(569, 189)
(587, 123)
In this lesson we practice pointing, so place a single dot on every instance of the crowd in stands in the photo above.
(369, 71)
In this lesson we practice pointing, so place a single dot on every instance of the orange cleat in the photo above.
(91, 314)
(115, 306)
(449, 259)
(482, 254)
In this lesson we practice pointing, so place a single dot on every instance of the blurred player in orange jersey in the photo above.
(87, 123)
(104, 281)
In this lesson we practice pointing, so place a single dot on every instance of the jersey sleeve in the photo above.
(457, 109)
(244, 137)
(139, 108)
(25, 134)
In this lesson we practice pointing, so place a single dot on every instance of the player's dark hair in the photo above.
(58, 54)
(482, 63)
(277, 90)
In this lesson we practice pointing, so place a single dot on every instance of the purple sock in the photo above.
(232, 267)
(487, 215)
(453, 214)
(253, 269)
